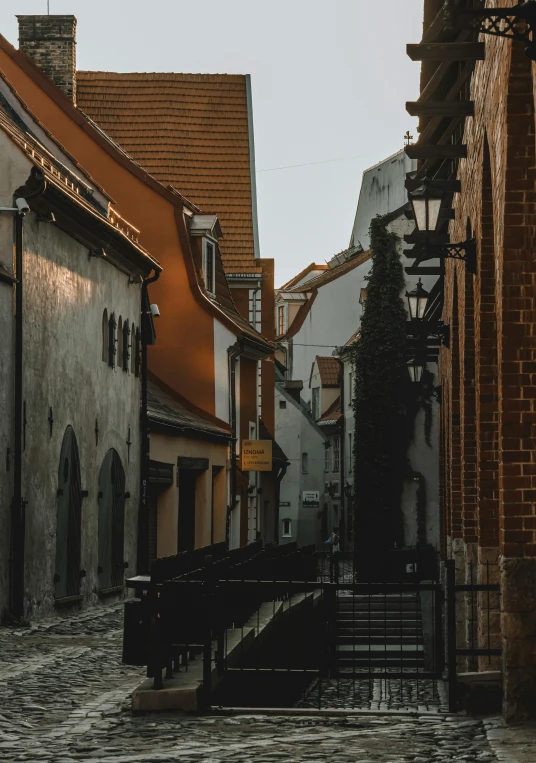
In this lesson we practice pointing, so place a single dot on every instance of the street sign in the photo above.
(284, 504)
(257, 455)
(311, 499)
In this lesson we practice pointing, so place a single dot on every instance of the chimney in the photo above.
(51, 42)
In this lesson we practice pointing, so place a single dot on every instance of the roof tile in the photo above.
(189, 131)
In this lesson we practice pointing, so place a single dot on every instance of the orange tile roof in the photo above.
(189, 131)
(333, 273)
(329, 370)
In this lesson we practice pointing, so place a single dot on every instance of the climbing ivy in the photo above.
(382, 389)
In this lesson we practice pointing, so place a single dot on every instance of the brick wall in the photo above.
(51, 42)
(489, 374)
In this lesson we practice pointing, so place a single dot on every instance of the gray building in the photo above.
(71, 285)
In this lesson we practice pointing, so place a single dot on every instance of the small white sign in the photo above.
(311, 499)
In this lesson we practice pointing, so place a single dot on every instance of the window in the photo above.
(126, 346)
(133, 349)
(316, 403)
(120, 342)
(105, 336)
(350, 388)
(281, 320)
(282, 404)
(363, 296)
(112, 339)
(208, 266)
(336, 454)
(137, 352)
(305, 463)
(287, 528)
(326, 458)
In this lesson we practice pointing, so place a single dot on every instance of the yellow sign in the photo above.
(257, 455)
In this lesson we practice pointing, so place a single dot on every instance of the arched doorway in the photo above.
(69, 519)
(111, 521)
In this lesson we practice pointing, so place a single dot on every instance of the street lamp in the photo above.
(426, 206)
(417, 301)
(416, 368)
(348, 490)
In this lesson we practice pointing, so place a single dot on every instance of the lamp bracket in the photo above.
(516, 23)
(464, 251)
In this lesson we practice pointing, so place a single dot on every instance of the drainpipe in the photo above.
(18, 505)
(344, 513)
(143, 513)
(234, 353)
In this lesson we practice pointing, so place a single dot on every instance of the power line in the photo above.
(310, 164)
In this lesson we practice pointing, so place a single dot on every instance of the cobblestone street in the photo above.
(64, 695)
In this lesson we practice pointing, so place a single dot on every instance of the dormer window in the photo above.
(209, 263)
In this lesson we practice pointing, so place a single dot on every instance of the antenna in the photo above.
(48, 7)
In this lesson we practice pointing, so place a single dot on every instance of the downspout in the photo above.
(234, 353)
(278, 479)
(143, 513)
(342, 449)
(18, 506)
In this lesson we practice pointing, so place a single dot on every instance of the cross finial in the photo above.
(408, 138)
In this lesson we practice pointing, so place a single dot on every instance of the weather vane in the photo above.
(408, 138)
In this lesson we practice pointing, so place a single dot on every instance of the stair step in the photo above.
(398, 649)
(375, 662)
(383, 640)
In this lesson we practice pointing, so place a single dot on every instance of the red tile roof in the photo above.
(333, 413)
(190, 131)
(329, 370)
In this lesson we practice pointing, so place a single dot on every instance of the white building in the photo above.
(319, 312)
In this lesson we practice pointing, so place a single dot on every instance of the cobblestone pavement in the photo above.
(65, 696)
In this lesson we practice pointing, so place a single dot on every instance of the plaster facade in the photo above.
(65, 383)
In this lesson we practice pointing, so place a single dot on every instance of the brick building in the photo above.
(477, 137)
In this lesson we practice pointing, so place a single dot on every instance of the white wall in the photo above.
(223, 339)
(296, 434)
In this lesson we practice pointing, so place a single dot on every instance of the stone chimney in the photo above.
(51, 42)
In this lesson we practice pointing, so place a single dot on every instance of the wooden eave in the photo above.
(440, 108)
(447, 51)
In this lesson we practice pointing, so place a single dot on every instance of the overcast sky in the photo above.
(330, 81)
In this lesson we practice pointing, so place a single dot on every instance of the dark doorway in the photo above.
(69, 520)
(111, 521)
(186, 523)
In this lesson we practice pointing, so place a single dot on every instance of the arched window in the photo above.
(137, 352)
(105, 335)
(126, 346)
(133, 349)
(112, 325)
(111, 521)
(69, 519)
(120, 342)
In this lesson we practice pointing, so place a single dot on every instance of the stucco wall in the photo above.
(167, 448)
(296, 434)
(65, 296)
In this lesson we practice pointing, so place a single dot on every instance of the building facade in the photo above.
(71, 322)
(488, 416)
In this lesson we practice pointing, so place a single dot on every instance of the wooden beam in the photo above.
(447, 51)
(439, 186)
(431, 151)
(415, 270)
(440, 108)
(430, 237)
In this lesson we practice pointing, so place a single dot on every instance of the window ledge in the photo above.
(66, 600)
(104, 592)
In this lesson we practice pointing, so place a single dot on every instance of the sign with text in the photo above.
(311, 499)
(257, 455)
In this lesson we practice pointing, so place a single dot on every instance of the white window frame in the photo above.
(327, 458)
(206, 241)
(288, 527)
(336, 455)
(281, 320)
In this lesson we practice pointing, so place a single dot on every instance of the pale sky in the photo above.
(330, 81)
